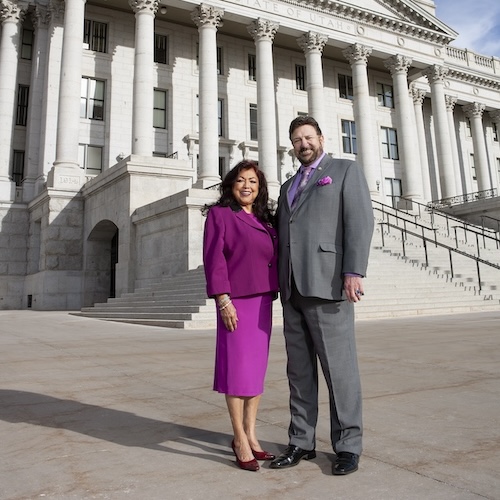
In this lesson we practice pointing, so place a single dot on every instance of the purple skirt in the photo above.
(241, 356)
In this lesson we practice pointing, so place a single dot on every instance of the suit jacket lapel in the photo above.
(315, 176)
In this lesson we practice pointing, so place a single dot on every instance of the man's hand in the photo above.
(353, 286)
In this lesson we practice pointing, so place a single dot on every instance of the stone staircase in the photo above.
(396, 285)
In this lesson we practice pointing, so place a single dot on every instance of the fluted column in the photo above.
(208, 19)
(357, 55)
(450, 106)
(66, 172)
(263, 33)
(11, 15)
(398, 66)
(312, 44)
(495, 118)
(142, 109)
(474, 112)
(33, 168)
(436, 75)
(418, 96)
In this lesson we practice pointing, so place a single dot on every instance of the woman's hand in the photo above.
(230, 317)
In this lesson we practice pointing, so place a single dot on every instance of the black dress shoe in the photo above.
(292, 456)
(346, 463)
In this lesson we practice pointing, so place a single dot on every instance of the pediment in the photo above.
(405, 16)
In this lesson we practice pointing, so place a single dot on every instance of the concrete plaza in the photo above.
(94, 409)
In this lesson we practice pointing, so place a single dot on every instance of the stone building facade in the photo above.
(117, 116)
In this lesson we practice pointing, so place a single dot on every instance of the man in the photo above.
(325, 225)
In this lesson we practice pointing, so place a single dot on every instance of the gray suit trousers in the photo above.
(322, 329)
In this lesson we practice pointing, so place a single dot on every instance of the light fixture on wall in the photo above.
(378, 184)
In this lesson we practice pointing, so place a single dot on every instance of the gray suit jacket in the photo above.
(329, 232)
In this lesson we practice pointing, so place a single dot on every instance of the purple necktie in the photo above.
(303, 182)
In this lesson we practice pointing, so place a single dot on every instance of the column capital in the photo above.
(435, 73)
(418, 95)
(143, 5)
(495, 116)
(12, 11)
(398, 64)
(41, 17)
(209, 15)
(474, 110)
(262, 29)
(56, 9)
(357, 53)
(312, 42)
(450, 102)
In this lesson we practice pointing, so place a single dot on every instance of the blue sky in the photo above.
(477, 22)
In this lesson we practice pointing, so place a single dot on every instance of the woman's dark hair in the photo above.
(261, 205)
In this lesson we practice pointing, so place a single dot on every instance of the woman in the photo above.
(240, 257)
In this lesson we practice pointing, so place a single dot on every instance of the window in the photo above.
(389, 143)
(468, 129)
(349, 137)
(385, 95)
(393, 191)
(252, 67)
(92, 99)
(345, 87)
(95, 35)
(472, 167)
(160, 52)
(18, 167)
(90, 158)
(495, 132)
(160, 109)
(498, 168)
(22, 105)
(222, 167)
(27, 44)
(300, 77)
(220, 117)
(220, 61)
(253, 122)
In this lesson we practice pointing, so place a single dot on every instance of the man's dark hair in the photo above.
(303, 120)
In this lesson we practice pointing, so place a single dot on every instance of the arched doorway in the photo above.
(101, 257)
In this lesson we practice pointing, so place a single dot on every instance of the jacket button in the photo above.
(270, 265)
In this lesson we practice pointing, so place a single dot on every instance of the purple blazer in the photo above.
(239, 253)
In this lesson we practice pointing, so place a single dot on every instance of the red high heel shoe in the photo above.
(251, 465)
(263, 455)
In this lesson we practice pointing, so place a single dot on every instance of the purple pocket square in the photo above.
(324, 181)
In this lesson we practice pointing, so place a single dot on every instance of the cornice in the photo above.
(407, 21)
(473, 78)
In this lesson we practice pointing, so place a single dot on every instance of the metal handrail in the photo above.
(451, 250)
(467, 226)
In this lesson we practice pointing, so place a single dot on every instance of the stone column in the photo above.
(11, 15)
(450, 106)
(418, 96)
(436, 75)
(50, 100)
(41, 18)
(357, 55)
(263, 33)
(495, 118)
(66, 173)
(312, 44)
(398, 66)
(474, 112)
(142, 110)
(208, 19)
